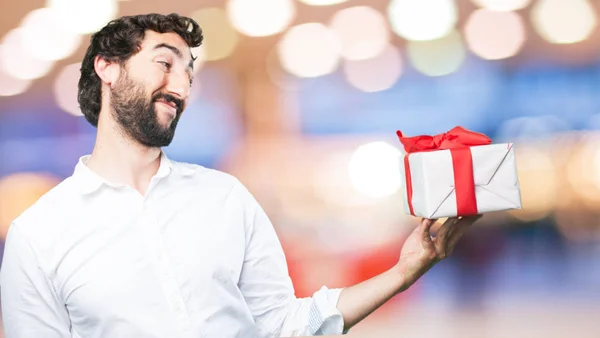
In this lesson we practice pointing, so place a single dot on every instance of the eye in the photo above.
(166, 64)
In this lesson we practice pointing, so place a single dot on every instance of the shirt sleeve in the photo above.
(268, 289)
(29, 305)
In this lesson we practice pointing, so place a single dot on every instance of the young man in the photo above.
(136, 245)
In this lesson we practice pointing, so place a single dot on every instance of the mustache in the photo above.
(169, 98)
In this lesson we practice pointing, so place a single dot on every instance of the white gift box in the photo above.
(433, 183)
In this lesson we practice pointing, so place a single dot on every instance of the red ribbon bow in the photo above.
(457, 140)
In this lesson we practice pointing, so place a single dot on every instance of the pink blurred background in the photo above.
(301, 99)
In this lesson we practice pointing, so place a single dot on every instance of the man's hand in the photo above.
(419, 253)
(421, 250)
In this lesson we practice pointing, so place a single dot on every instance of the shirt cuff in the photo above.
(324, 318)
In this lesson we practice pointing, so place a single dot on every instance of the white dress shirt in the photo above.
(195, 257)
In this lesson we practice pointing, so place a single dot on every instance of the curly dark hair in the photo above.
(117, 42)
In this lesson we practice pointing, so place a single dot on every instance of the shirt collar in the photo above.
(89, 181)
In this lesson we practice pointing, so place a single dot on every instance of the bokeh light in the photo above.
(596, 166)
(18, 192)
(16, 62)
(494, 35)
(322, 2)
(84, 16)
(65, 89)
(46, 37)
(261, 17)
(375, 74)
(309, 50)
(564, 22)
(220, 38)
(437, 57)
(9, 85)
(374, 169)
(364, 40)
(282, 78)
(422, 20)
(583, 171)
(335, 188)
(502, 5)
(538, 182)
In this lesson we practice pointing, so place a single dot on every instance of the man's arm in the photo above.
(419, 253)
(29, 305)
(267, 288)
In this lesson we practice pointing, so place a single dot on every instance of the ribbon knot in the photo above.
(458, 140)
(457, 137)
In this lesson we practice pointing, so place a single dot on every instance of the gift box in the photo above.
(458, 173)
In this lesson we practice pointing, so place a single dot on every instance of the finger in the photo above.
(460, 228)
(441, 239)
(444, 230)
(436, 227)
(474, 218)
(425, 228)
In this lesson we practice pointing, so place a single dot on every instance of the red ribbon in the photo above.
(458, 140)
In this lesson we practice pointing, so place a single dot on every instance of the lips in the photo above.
(168, 108)
(170, 101)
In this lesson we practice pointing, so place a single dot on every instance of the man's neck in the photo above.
(123, 161)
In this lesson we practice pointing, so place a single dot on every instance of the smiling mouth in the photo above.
(172, 107)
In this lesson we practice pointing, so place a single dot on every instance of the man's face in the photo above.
(153, 89)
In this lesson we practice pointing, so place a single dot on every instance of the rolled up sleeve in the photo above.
(315, 316)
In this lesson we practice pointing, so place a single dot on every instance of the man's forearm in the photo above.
(358, 301)
(420, 252)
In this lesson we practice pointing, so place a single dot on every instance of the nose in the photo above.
(178, 85)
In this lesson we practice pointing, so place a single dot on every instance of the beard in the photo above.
(136, 115)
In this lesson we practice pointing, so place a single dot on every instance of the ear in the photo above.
(107, 71)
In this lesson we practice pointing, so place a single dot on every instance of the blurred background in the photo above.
(301, 99)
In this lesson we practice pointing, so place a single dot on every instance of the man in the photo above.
(136, 245)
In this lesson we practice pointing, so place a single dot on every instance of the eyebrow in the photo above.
(175, 50)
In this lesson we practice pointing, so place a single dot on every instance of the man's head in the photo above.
(142, 65)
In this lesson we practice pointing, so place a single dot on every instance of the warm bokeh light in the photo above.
(502, 5)
(374, 169)
(9, 85)
(437, 57)
(583, 171)
(538, 182)
(261, 17)
(220, 38)
(375, 74)
(596, 165)
(46, 37)
(84, 16)
(309, 50)
(364, 40)
(282, 78)
(322, 2)
(422, 20)
(494, 35)
(560, 21)
(332, 186)
(18, 192)
(16, 62)
(65, 89)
